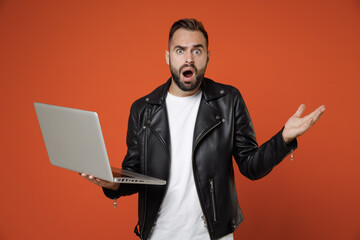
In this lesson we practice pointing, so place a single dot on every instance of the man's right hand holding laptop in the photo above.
(102, 183)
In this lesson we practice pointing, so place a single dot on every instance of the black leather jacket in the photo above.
(223, 130)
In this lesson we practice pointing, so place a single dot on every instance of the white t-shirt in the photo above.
(180, 215)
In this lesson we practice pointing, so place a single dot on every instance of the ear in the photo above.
(167, 57)
(208, 57)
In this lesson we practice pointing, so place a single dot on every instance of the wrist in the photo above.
(286, 139)
(113, 186)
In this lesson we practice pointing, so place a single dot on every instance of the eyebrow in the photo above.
(193, 46)
(198, 46)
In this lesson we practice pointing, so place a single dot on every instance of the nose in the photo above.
(189, 58)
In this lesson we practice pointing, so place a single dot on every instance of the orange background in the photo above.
(102, 55)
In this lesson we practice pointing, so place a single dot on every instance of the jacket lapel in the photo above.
(206, 120)
(160, 125)
(158, 119)
(208, 116)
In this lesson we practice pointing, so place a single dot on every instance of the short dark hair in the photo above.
(188, 24)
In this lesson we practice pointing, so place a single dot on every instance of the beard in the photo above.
(187, 87)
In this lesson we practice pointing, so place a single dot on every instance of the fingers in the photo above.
(311, 119)
(300, 111)
(318, 112)
(308, 123)
(315, 115)
(100, 182)
(92, 179)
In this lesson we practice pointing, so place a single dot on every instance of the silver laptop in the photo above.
(74, 141)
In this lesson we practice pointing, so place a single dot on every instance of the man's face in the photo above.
(187, 58)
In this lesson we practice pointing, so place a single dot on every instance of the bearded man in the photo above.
(186, 132)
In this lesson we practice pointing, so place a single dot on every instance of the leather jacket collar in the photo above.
(209, 88)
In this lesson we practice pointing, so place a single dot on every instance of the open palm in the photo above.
(297, 125)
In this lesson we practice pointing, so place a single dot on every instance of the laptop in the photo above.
(74, 141)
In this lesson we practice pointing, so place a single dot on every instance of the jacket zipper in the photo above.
(212, 193)
(145, 168)
(218, 123)
(146, 127)
(196, 183)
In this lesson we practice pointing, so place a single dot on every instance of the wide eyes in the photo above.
(197, 51)
(181, 51)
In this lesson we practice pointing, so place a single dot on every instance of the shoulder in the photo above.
(156, 97)
(214, 84)
(214, 89)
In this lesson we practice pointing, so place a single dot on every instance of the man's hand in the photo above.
(100, 182)
(297, 126)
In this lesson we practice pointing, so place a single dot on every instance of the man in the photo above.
(186, 132)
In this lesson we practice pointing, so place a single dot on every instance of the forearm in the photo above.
(259, 161)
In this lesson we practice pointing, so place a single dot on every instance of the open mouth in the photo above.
(188, 73)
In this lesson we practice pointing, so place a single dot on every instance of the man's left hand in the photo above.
(297, 126)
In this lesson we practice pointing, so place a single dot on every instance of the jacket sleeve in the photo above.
(132, 160)
(255, 162)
